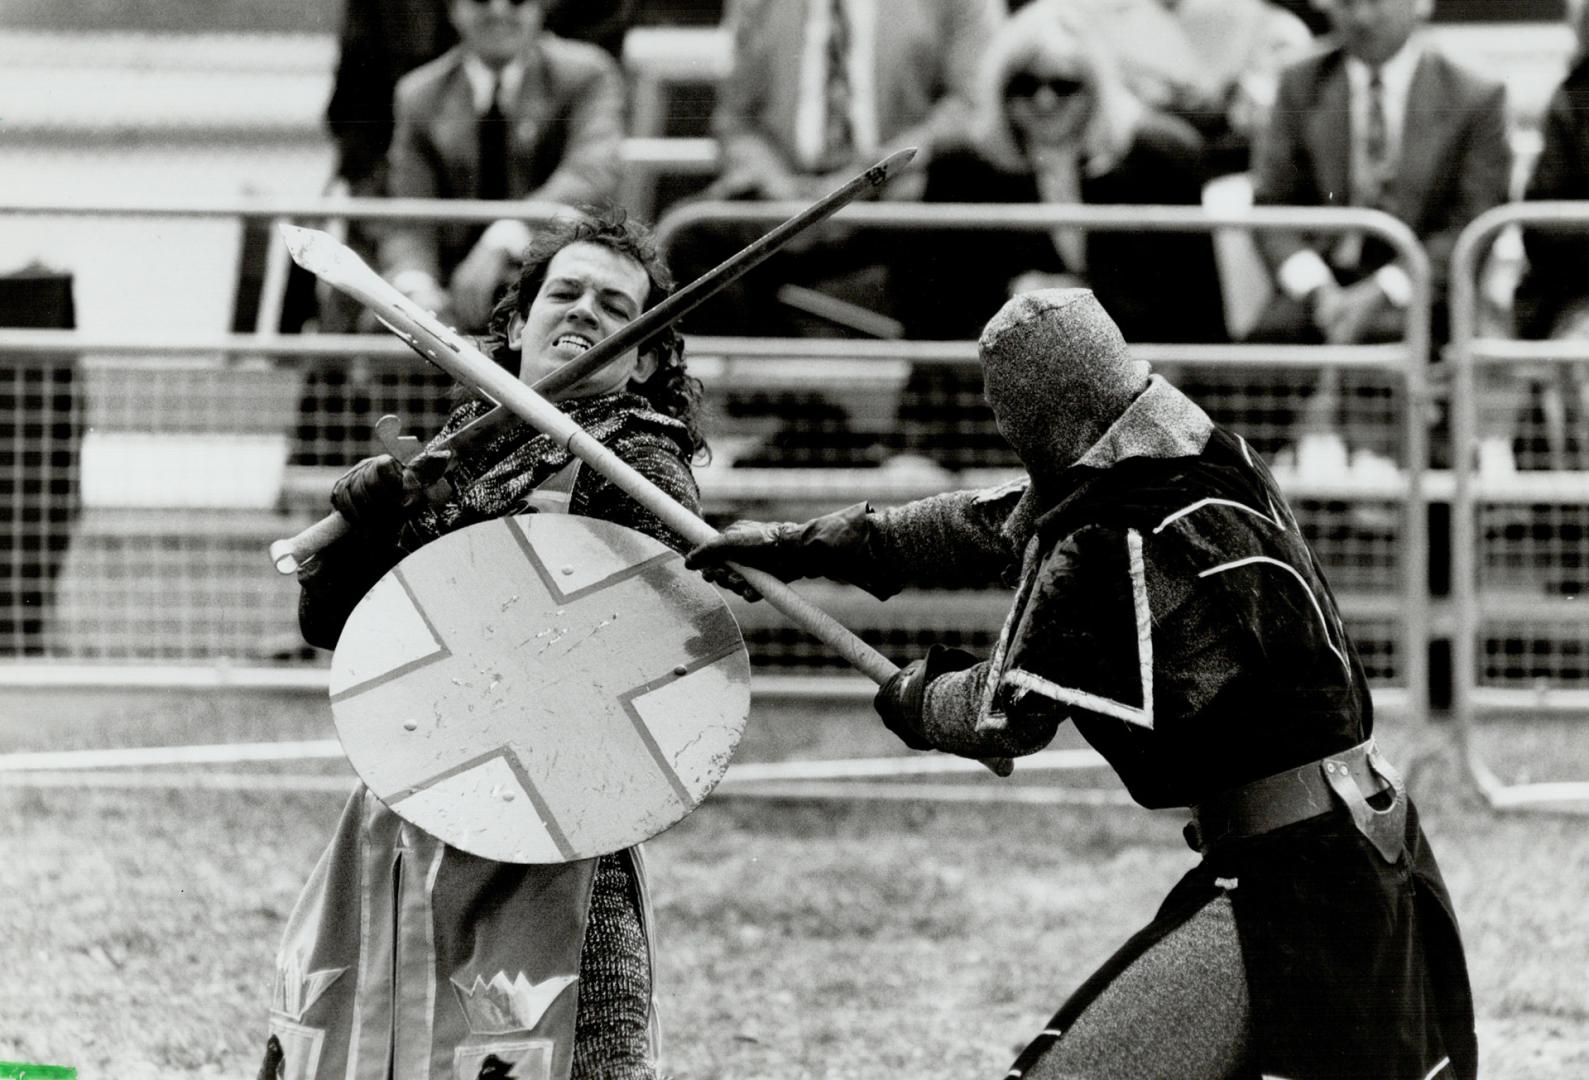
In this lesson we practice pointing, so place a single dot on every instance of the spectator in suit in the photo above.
(383, 40)
(380, 41)
(819, 90)
(511, 112)
(1380, 120)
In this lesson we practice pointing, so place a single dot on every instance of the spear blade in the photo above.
(324, 256)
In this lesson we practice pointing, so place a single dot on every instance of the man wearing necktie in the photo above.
(817, 91)
(1381, 120)
(382, 40)
(1384, 121)
(510, 113)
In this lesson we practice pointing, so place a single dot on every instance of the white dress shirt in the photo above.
(1306, 270)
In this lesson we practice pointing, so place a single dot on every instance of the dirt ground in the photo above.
(798, 938)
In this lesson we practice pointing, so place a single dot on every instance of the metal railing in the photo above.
(176, 357)
(1515, 571)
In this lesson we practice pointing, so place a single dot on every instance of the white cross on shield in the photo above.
(541, 688)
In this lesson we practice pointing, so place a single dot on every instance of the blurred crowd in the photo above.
(1102, 102)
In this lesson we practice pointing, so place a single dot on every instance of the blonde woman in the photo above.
(1060, 125)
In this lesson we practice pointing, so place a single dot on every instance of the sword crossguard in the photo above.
(389, 433)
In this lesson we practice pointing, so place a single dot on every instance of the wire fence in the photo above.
(146, 490)
(1520, 542)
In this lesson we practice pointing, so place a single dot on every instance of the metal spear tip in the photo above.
(890, 166)
(311, 249)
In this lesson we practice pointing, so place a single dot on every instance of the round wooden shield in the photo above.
(541, 688)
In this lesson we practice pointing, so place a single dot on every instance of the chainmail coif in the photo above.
(1057, 373)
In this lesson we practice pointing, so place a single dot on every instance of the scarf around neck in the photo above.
(495, 477)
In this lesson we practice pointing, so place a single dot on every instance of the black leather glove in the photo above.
(374, 494)
(271, 1067)
(902, 700)
(371, 494)
(745, 542)
(843, 545)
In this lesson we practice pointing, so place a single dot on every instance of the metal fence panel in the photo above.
(195, 453)
(1520, 542)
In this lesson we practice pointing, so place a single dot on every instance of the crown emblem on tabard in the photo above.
(505, 1005)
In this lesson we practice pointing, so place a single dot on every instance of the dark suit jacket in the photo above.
(383, 40)
(928, 58)
(566, 134)
(1557, 277)
(1455, 158)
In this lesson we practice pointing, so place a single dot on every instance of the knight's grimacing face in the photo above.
(589, 292)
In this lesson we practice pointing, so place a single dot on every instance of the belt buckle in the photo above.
(1385, 829)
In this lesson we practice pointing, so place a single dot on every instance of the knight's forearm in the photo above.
(944, 540)
(949, 720)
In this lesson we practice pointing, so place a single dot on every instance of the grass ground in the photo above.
(798, 939)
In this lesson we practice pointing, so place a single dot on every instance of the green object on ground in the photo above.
(21, 1070)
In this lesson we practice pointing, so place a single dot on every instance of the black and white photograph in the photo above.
(794, 539)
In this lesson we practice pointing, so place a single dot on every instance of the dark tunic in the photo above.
(1169, 606)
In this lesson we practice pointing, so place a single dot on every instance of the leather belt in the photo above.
(1341, 781)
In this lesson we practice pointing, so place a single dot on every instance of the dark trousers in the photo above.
(40, 427)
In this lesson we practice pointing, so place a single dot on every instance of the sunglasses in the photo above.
(1027, 85)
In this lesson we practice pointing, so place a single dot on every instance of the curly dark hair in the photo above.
(671, 389)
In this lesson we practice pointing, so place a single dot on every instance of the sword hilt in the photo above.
(289, 555)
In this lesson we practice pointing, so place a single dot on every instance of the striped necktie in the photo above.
(838, 136)
(492, 182)
(1376, 140)
(1368, 190)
